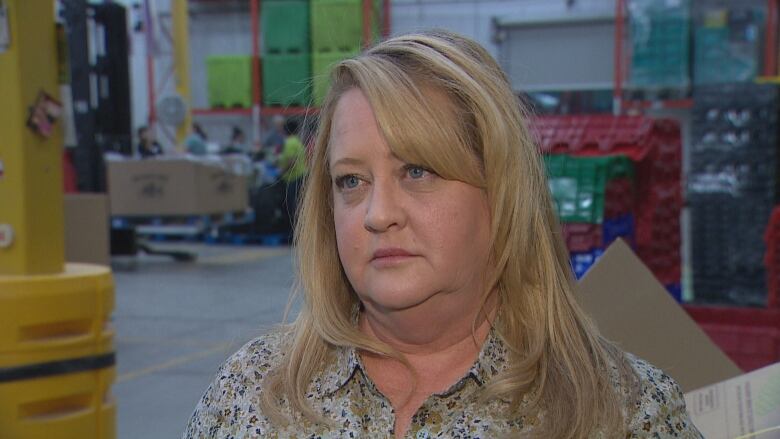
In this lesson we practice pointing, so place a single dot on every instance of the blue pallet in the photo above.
(273, 240)
(270, 240)
(621, 227)
(120, 223)
(581, 262)
(209, 239)
(676, 291)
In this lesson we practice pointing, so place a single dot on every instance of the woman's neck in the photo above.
(439, 347)
(431, 327)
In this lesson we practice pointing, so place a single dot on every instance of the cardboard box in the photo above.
(631, 308)
(174, 187)
(87, 229)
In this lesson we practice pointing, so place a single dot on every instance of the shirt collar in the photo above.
(345, 362)
(492, 359)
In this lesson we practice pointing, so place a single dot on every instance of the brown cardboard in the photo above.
(746, 406)
(632, 309)
(227, 191)
(174, 187)
(87, 229)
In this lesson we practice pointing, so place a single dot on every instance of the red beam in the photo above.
(617, 91)
(770, 45)
(150, 82)
(386, 19)
(221, 111)
(254, 11)
(367, 22)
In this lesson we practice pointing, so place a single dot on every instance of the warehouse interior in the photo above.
(151, 151)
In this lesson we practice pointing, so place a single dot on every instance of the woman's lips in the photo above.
(390, 256)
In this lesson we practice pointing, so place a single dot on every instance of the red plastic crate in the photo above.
(772, 258)
(749, 336)
(581, 238)
(619, 198)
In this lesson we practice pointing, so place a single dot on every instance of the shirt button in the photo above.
(423, 434)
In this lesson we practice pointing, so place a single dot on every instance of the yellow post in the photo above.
(57, 361)
(31, 210)
(181, 54)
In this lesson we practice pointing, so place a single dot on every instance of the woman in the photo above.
(439, 300)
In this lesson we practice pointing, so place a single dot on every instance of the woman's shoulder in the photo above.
(659, 407)
(262, 353)
(236, 388)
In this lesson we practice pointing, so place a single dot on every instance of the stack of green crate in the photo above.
(286, 53)
(660, 43)
(229, 81)
(336, 34)
(578, 184)
(727, 43)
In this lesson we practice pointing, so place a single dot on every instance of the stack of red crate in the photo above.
(582, 237)
(750, 336)
(654, 146)
(772, 258)
(619, 201)
(619, 198)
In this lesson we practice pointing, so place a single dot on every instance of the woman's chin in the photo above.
(387, 301)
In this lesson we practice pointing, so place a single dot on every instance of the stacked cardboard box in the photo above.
(174, 187)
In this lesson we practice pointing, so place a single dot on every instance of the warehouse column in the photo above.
(56, 353)
(181, 54)
(31, 211)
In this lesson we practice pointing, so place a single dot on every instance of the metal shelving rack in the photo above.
(257, 110)
(620, 104)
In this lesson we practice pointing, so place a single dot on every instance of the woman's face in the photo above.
(404, 234)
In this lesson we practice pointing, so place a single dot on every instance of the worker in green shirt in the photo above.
(292, 160)
(292, 165)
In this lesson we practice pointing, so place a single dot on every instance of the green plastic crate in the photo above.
(660, 43)
(321, 64)
(730, 51)
(229, 81)
(287, 79)
(578, 184)
(337, 25)
(285, 26)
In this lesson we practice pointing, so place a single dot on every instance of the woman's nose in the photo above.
(384, 211)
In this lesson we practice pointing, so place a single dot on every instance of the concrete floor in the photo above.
(177, 322)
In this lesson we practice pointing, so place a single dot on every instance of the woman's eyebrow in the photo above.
(346, 161)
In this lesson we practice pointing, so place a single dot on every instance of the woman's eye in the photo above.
(348, 182)
(415, 171)
(351, 182)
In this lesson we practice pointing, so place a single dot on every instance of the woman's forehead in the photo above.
(353, 111)
(354, 125)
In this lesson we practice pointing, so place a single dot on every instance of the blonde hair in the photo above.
(560, 368)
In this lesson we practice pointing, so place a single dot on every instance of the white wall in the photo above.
(474, 18)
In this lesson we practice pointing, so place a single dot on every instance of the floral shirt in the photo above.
(343, 392)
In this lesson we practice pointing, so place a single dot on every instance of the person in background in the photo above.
(237, 142)
(274, 141)
(196, 141)
(292, 165)
(266, 173)
(147, 144)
